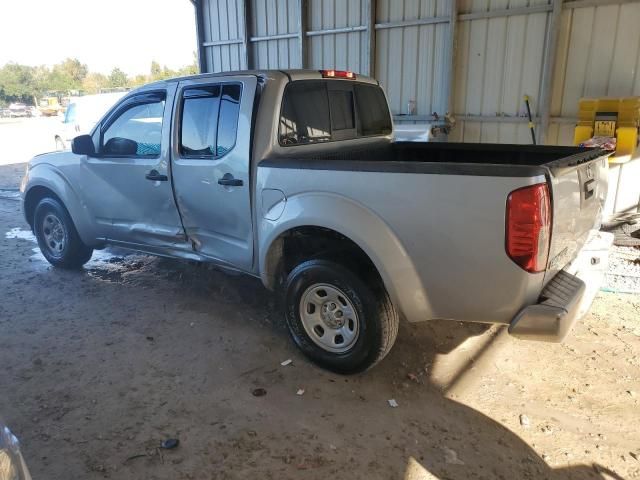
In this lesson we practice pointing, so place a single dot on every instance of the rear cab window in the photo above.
(317, 111)
(209, 122)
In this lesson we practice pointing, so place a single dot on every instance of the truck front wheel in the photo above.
(57, 237)
(337, 320)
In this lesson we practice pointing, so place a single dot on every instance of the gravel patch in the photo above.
(624, 270)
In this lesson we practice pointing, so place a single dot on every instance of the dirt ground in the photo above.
(99, 366)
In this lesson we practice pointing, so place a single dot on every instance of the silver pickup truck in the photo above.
(293, 177)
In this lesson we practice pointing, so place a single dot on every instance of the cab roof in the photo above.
(292, 74)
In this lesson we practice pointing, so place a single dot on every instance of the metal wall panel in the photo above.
(224, 21)
(498, 61)
(411, 61)
(269, 18)
(598, 56)
(343, 51)
(499, 56)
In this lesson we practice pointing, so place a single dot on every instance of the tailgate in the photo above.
(578, 190)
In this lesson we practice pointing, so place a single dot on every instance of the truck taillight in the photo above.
(528, 229)
(338, 74)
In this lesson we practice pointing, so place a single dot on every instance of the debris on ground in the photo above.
(393, 403)
(286, 362)
(258, 392)
(300, 391)
(451, 456)
(524, 421)
(170, 443)
(623, 274)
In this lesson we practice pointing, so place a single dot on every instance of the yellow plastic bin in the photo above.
(619, 117)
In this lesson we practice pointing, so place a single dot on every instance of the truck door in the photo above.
(210, 166)
(126, 185)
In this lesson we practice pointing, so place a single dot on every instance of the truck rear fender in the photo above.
(360, 225)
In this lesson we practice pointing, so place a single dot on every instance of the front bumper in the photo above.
(568, 296)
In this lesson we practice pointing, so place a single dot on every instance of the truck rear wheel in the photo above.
(337, 320)
(57, 237)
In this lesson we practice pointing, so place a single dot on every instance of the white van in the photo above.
(81, 116)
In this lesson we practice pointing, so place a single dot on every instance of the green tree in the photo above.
(156, 71)
(73, 69)
(94, 82)
(118, 78)
(17, 83)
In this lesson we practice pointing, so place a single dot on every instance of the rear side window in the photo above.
(209, 121)
(305, 114)
(373, 111)
(322, 111)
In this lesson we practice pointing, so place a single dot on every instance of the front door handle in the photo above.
(228, 181)
(155, 176)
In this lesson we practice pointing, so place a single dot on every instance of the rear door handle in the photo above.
(228, 181)
(156, 177)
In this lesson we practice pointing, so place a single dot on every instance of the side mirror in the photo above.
(83, 145)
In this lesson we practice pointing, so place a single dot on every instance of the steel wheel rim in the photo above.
(54, 233)
(329, 318)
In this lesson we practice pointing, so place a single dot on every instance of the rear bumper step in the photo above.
(568, 296)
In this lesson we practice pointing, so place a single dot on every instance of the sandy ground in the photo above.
(99, 366)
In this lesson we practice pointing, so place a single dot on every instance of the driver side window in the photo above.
(137, 130)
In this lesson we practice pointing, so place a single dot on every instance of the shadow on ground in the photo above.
(104, 363)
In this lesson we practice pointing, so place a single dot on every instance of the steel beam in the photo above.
(370, 43)
(246, 19)
(451, 63)
(507, 12)
(596, 3)
(412, 23)
(547, 70)
(217, 43)
(202, 57)
(333, 31)
(302, 32)
(281, 36)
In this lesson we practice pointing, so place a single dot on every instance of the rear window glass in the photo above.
(342, 115)
(320, 111)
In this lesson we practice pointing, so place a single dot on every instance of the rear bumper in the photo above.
(568, 296)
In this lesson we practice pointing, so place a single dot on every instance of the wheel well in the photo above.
(32, 199)
(307, 243)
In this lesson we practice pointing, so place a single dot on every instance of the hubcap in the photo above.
(55, 235)
(329, 318)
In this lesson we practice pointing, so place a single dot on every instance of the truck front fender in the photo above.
(362, 226)
(44, 176)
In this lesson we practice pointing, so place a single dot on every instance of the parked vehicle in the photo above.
(5, 113)
(18, 110)
(81, 116)
(293, 177)
(50, 106)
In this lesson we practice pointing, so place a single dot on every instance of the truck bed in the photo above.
(454, 153)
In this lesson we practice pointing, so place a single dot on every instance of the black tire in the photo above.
(377, 318)
(73, 253)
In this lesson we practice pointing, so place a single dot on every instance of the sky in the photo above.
(101, 33)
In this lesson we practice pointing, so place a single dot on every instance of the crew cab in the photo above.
(294, 177)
